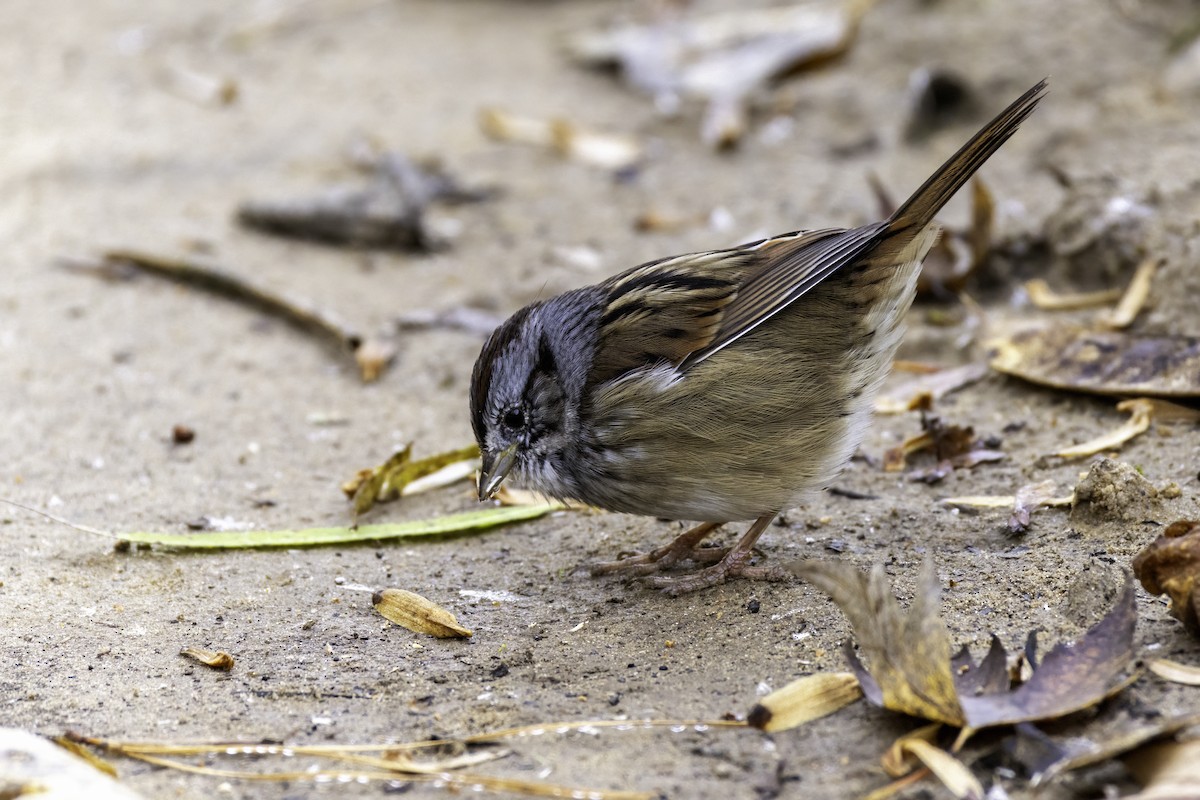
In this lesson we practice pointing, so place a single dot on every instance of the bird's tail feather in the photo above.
(920, 209)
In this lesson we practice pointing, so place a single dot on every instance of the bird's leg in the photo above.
(731, 565)
(685, 547)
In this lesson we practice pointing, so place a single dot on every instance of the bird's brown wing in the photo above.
(790, 266)
(677, 310)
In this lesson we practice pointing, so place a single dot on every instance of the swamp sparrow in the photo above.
(713, 386)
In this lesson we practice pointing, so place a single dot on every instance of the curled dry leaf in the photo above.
(217, 659)
(600, 149)
(1166, 770)
(1170, 565)
(1175, 672)
(1102, 362)
(1140, 410)
(1050, 757)
(390, 479)
(1135, 296)
(953, 774)
(923, 391)
(803, 700)
(953, 447)
(1046, 299)
(1027, 500)
(909, 652)
(910, 669)
(412, 611)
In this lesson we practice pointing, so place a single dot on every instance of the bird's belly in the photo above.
(758, 425)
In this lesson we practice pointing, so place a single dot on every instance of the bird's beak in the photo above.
(496, 467)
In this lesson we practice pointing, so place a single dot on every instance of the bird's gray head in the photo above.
(525, 394)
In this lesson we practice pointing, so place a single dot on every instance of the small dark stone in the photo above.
(614, 699)
(754, 606)
(500, 671)
(182, 434)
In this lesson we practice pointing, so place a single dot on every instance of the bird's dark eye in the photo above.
(514, 418)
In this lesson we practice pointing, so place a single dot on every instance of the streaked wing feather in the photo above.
(663, 310)
(792, 266)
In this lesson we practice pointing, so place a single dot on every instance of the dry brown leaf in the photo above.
(1070, 678)
(419, 615)
(389, 480)
(910, 669)
(1052, 756)
(1102, 362)
(1141, 411)
(953, 447)
(897, 760)
(217, 659)
(920, 393)
(1167, 770)
(953, 774)
(1135, 296)
(803, 700)
(1175, 672)
(1046, 299)
(909, 653)
(1170, 565)
(1028, 499)
(601, 149)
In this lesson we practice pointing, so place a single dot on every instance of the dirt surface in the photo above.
(105, 145)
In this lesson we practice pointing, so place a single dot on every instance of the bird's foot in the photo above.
(685, 547)
(734, 564)
(717, 574)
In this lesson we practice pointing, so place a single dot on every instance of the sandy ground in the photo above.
(101, 148)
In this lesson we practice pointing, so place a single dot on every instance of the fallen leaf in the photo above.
(803, 700)
(909, 653)
(910, 669)
(953, 447)
(216, 659)
(1102, 362)
(1028, 499)
(1140, 410)
(922, 392)
(410, 610)
(388, 481)
(1071, 677)
(1173, 671)
(1046, 299)
(1170, 565)
(468, 522)
(1134, 297)
(1166, 770)
(1047, 757)
(953, 774)
(611, 151)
